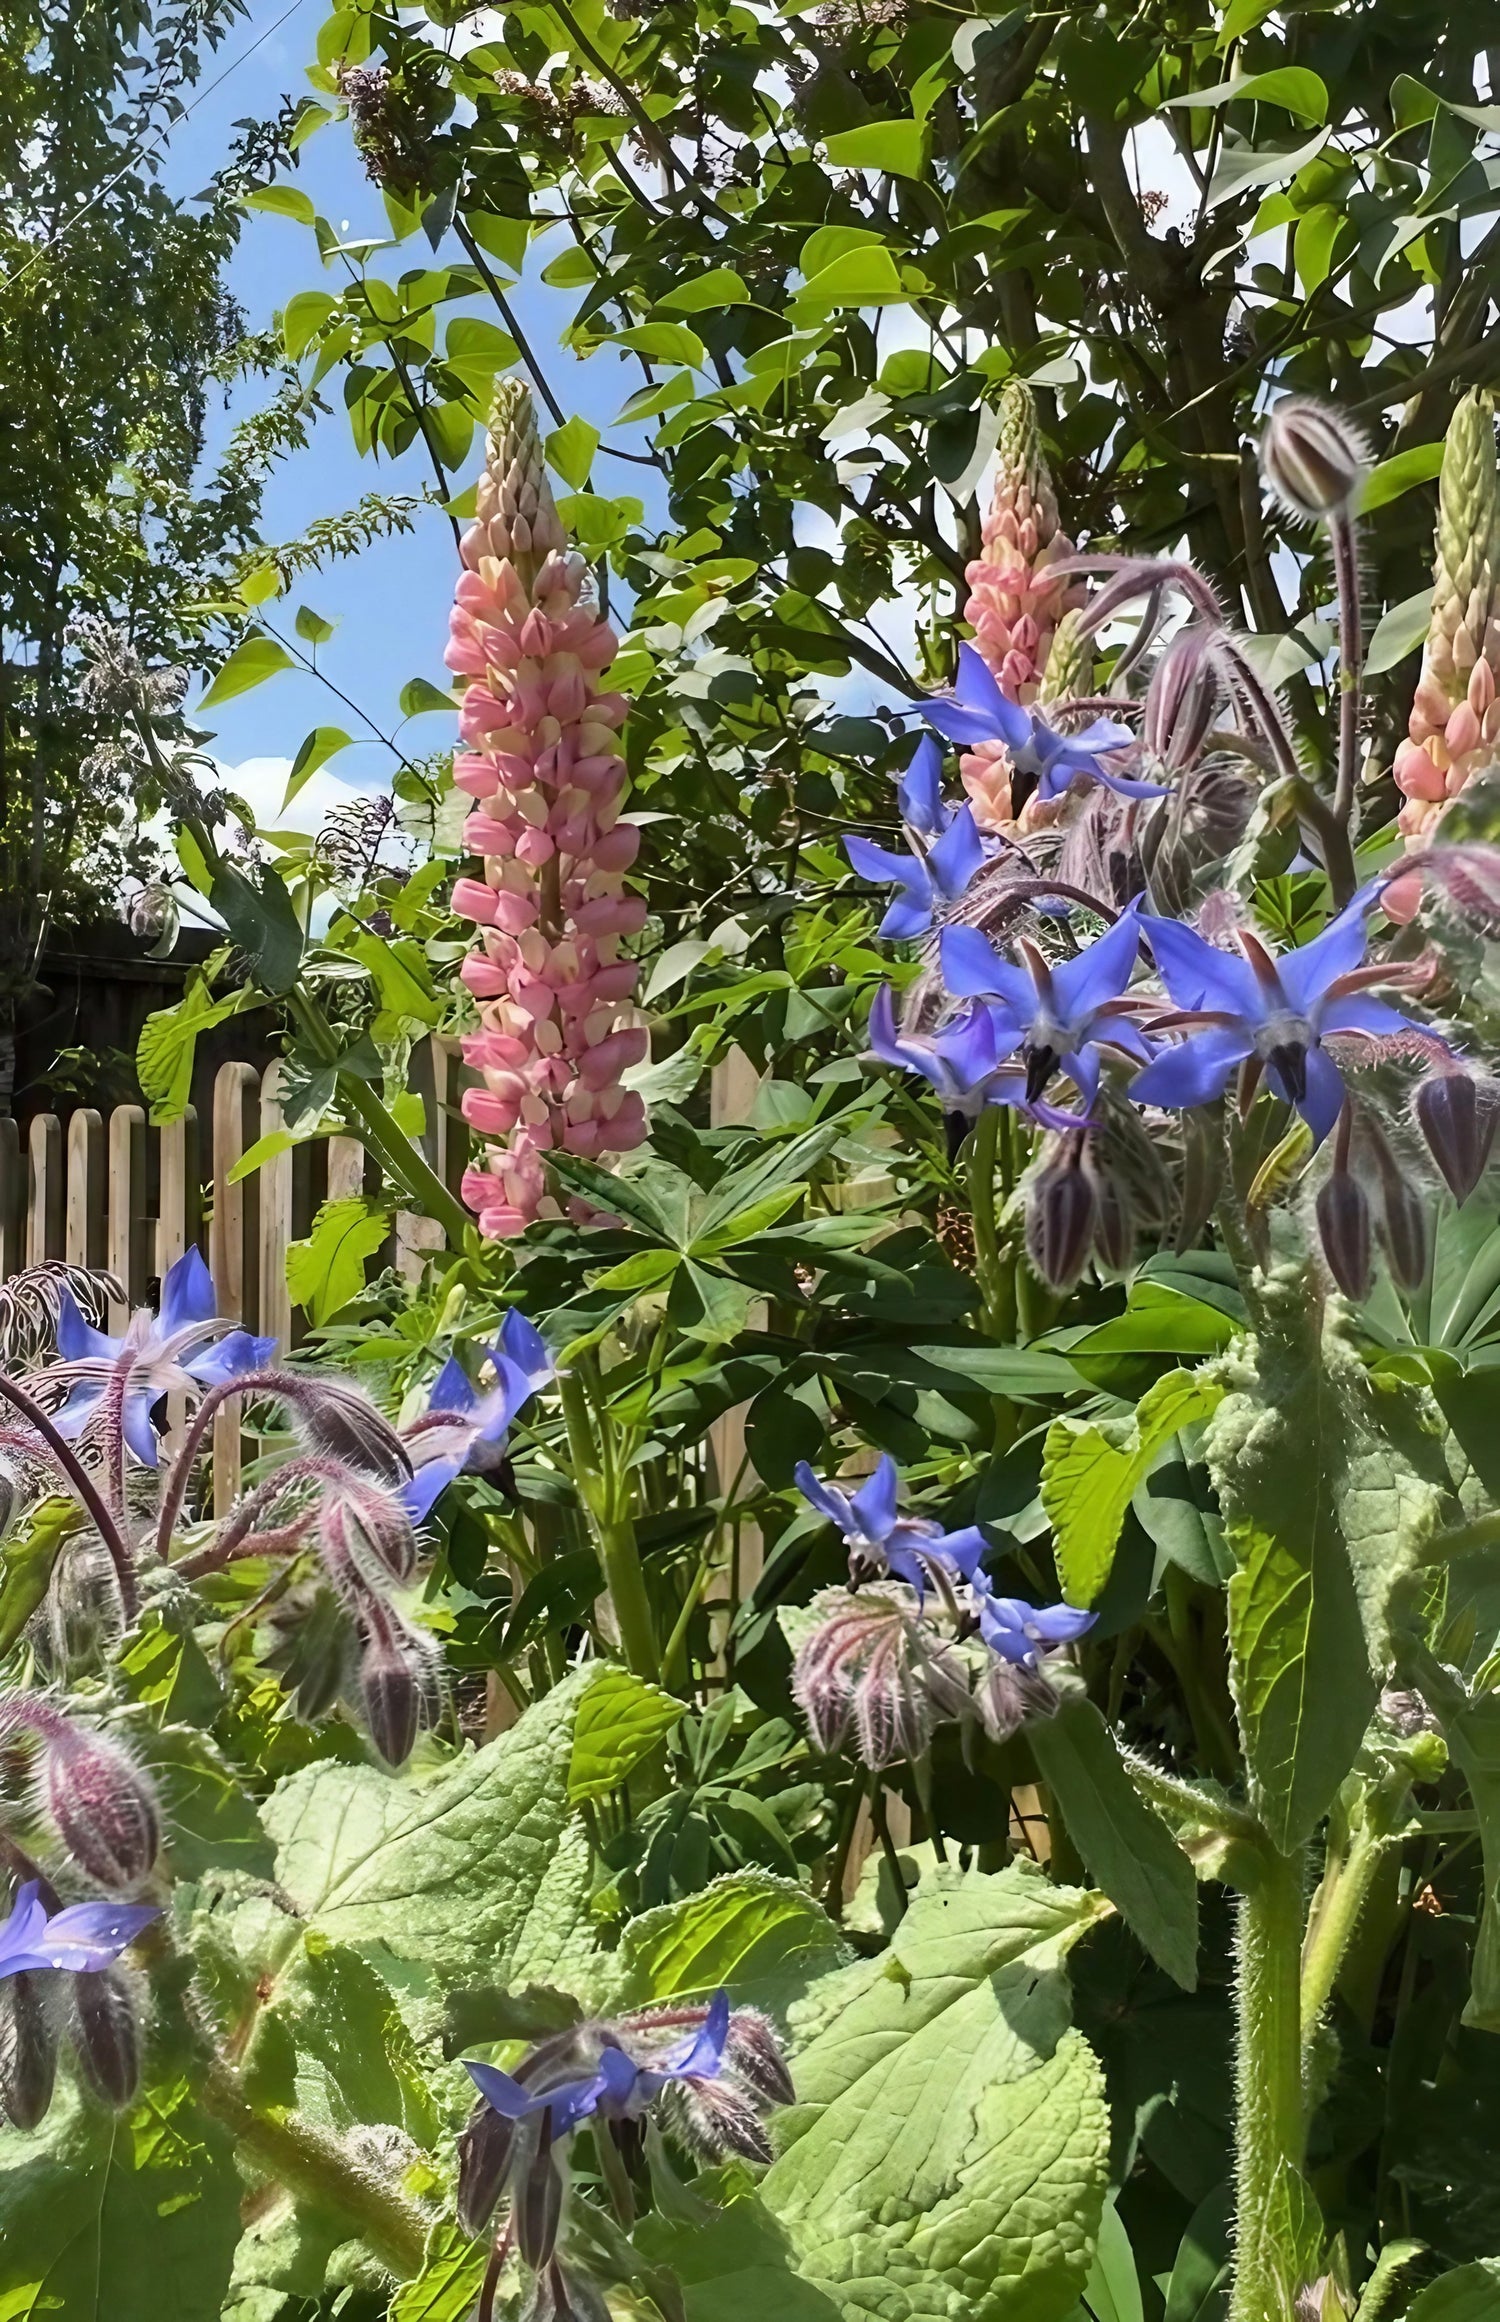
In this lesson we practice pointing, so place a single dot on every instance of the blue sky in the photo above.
(391, 602)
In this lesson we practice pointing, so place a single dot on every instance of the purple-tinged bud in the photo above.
(345, 1425)
(1008, 1695)
(1182, 699)
(1061, 1216)
(106, 2035)
(1114, 1225)
(1457, 1114)
(363, 1526)
(753, 2053)
(485, 2152)
(566, 2297)
(538, 2208)
(1343, 1215)
(717, 2121)
(392, 1697)
(28, 2051)
(1312, 458)
(1403, 1230)
(103, 1806)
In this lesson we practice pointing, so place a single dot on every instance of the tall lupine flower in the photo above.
(542, 762)
(1016, 602)
(1455, 718)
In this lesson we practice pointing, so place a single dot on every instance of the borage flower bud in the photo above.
(485, 2152)
(1343, 1215)
(1061, 1215)
(1402, 1228)
(1182, 699)
(103, 1806)
(1456, 1114)
(345, 1424)
(106, 2035)
(391, 1693)
(1312, 458)
(1114, 1225)
(28, 2051)
(538, 2205)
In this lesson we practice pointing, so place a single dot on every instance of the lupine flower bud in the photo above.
(1312, 458)
(106, 2034)
(1454, 728)
(538, 2209)
(1061, 1216)
(103, 1806)
(392, 1697)
(1182, 699)
(485, 2152)
(1343, 1215)
(1457, 1114)
(28, 2051)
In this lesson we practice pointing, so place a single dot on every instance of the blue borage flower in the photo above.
(80, 1940)
(1269, 1014)
(881, 1540)
(1056, 1015)
(977, 711)
(939, 875)
(464, 1428)
(186, 1344)
(1022, 1633)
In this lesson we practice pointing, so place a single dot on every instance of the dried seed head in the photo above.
(106, 2034)
(1456, 1113)
(1343, 1215)
(103, 1806)
(485, 2152)
(28, 2050)
(1312, 458)
(1061, 1216)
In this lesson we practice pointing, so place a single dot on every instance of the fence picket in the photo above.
(46, 1220)
(233, 1246)
(87, 1225)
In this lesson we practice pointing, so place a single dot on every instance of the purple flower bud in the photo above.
(103, 1806)
(83, 1605)
(485, 2151)
(106, 2034)
(362, 1526)
(1182, 699)
(753, 2053)
(1456, 1114)
(28, 2050)
(1312, 458)
(717, 2121)
(1114, 1226)
(1403, 1230)
(1061, 1216)
(392, 1701)
(1343, 1215)
(538, 2207)
(345, 1425)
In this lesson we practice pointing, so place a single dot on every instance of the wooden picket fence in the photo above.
(119, 1194)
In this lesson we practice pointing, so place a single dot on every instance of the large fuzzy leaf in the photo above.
(464, 1874)
(1091, 1468)
(761, 1936)
(1328, 1486)
(128, 2220)
(948, 2153)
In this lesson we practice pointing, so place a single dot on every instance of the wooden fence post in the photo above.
(12, 1199)
(87, 1227)
(276, 1227)
(128, 1245)
(46, 1221)
(234, 1246)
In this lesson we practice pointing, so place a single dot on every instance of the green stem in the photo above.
(614, 1533)
(316, 2166)
(405, 1164)
(1268, 2090)
(1341, 1897)
(1185, 1801)
(995, 1288)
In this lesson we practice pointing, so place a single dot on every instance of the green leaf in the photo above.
(259, 914)
(303, 317)
(210, 1819)
(1112, 2292)
(1129, 1850)
(327, 1270)
(469, 1874)
(399, 971)
(1471, 1728)
(168, 1042)
(1468, 2294)
(645, 1271)
(1023, 1371)
(735, 2264)
(746, 1223)
(447, 2289)
(1091, 1468)
(311, 627)
(1293, 87)
(478, 348)
(419, 695)
(249, 664)
(335, 2022)
(620, 1720)
(897, 147)
(949, 2148)
(1398, 475)
(719, 287)
(863, 277)
(118, 2219)
(761, 1937)
(314, 750)
(1242, 167)
(503, 238)
(1328, 1488)
(27, 1560)
(282, 201)
(664, 342)
(572, 269)
(570, 451)
(1399, 631)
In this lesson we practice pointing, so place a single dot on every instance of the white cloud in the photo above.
(261, 782)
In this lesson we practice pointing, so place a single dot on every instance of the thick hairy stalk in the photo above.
(613, 1528)
(70, 1465)
(1269, 2125)
(317, 2168)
